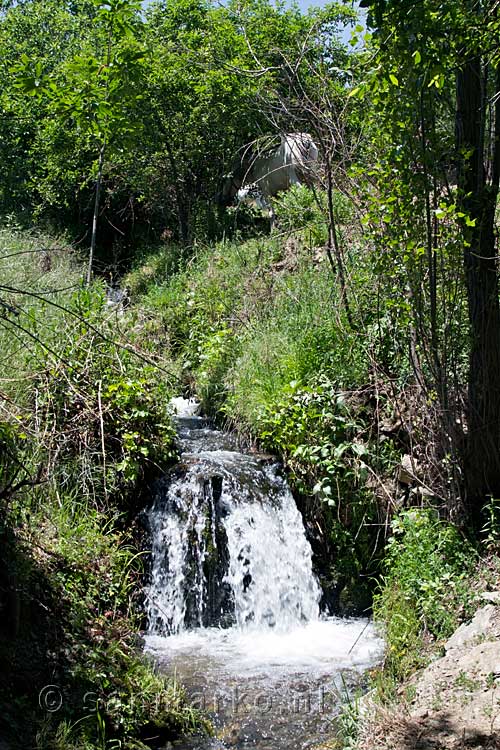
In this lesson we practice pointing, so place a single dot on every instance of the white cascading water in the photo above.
(268, 574)
(233, 602)
(268, 544)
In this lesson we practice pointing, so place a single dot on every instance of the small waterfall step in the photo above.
(228, 543)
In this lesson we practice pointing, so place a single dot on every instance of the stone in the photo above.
(490, 596)
(407, 469)
(482, 625)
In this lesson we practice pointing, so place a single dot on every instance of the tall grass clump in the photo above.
(300, 334)
(425, 589)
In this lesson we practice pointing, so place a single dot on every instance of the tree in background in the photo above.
(189, 76)
(101, 88)
(35, 38)
(308, 94)
(85, 97)
(435, 91)
(200, 110)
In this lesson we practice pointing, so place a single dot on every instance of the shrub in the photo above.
(305, 210)
(322, 438)
(425, 587)
(298, 209)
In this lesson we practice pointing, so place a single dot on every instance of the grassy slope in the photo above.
(83, 426)
(258, 331)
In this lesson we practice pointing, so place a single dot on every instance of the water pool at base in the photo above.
(270, 690)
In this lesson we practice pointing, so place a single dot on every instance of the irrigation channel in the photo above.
(233, 601)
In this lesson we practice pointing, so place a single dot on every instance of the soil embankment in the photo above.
(455, 701)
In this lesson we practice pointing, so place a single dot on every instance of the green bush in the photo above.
(303, 210)
(300, 332)
(152, 269)
(108, 686)
(425, 586)
(206, 305)
(298, 209)
(96, 408)
(321, 437)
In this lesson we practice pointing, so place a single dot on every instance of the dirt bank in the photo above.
(455, 701)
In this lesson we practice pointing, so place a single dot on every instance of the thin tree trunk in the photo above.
(478, 200)
(95, 218)
(182, 213)
(333, 244)
(100, 169)
(431, 251)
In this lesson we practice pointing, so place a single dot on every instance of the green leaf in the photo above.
(437, 81)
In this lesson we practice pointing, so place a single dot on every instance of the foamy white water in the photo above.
(229, 546)
(269, 690)
(185, 407)
(321, 646)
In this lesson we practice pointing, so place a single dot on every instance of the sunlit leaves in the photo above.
(437, 80)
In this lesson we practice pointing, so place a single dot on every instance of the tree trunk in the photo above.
(182, 211)
(95, 218)
(478, 201)
(333, 243)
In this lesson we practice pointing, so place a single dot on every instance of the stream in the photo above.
(233, 601)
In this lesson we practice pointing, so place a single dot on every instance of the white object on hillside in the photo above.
(185, 407)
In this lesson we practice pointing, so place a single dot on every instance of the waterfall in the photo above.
(228, 542)
(232, 600)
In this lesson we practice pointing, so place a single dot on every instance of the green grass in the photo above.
(426, 589)
(84, 426)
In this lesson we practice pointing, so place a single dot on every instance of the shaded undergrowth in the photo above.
(84, 428)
